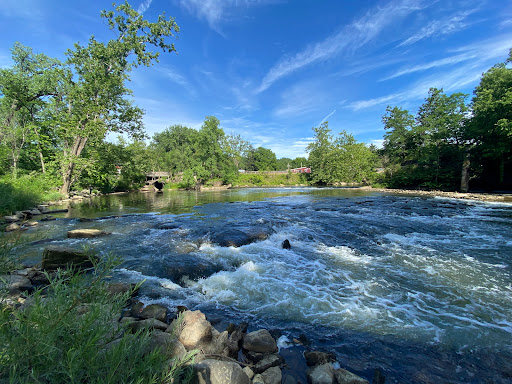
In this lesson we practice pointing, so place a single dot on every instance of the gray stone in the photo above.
(194, 329)
(254, 357)
(86, 233)
(15, 283)
(321, 374)
(318, 358)
(260, 341)
(121, 289)
(12, 227)
(267, 362)
(12, 218)
(272, 376)
(219, 372)
(248, 371)
(258, 379)
(218, 344)
(235, 339)
(55, 257)
(155, 311)
(345, 377)
(168, 344)
(30, 224)
(147, 324)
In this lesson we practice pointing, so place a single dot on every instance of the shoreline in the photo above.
(480, 196)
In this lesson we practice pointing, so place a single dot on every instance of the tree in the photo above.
(264, 159)
(94, 98)
(236, 148)
(24, 91)
(319, 154)
(284, 163)
(175, 148)
(399, 124)
(491, 124)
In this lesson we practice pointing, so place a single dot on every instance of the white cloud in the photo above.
(144, 6)
(301, 99)
(352, 36)
(379, 143)
(454, 23)
(215, 11)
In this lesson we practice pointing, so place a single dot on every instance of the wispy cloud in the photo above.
(216, 11)
(302, 98)
(177, 78)
(352, 36)
(326, 117)
(144, 6)
(27, 9)
(445, 26)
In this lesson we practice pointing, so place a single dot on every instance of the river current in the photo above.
(420, 288)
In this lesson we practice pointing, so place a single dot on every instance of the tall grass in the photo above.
(26, 191)
(69, 333)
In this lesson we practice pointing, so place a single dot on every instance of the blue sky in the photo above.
(270, 70)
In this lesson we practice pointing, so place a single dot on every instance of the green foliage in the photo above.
(71, 328)
(340, 160)
(188, 181)
(26, 191)
(267, 179)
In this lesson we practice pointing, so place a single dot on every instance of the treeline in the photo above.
(451, 144)
(55, 116)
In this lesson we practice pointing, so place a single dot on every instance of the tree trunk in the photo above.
(67, 176)
(464, 180)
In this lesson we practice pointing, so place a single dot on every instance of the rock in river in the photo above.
(86, 233)
(55, 257)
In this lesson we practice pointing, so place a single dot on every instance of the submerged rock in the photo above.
(230, 238)
(286, 244)
(55, 257)
(86, 233)
(318, 358)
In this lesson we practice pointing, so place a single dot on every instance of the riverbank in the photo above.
(492, 197)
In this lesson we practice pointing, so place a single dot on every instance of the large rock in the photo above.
(219, 372)
(168, 344)
(345, 377)
(321, 374)
(155, 311)
(12, 227)
(194, 329)
(86, 233)
(260, 341)
(148, 324)
(267, 362)
(15, 283)
(55, 257)
(12, 218)
(272, 376)
(235, 340)
(231, 238)
(318, 358)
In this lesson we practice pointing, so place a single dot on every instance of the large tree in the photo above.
(94, 101)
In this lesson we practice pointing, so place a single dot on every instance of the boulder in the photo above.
(86, 233)
(345, 377)
(318, 358)
(258, 379)
(286, 244)
(30, 224)
(194, 329)
(218, 345)
(267, 362)
(248, 371)
(12, 218)
(254, 357)
(260, 341)
(235, 339)
(321, 374)
(272, 376)
(219, 372)
(170, 225)
(12, 227)
(15, 283)
(121, 289)
(55, 257)
(168, 344)
(155, 311)
(230, 238)
(147, 324)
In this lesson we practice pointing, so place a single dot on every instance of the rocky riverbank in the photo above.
(505, 198)
(233, 355)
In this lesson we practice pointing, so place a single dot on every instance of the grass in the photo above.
(26, 191)
(264, 179)
(70, 334)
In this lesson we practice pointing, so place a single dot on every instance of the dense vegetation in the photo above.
(55, 117)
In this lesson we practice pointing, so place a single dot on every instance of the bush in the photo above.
(66, 336)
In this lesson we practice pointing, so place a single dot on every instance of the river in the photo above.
(418, 287)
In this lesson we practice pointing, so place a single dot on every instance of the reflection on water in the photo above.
(419, 287)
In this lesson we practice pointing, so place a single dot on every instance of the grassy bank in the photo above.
(267, 179)
(26, 191)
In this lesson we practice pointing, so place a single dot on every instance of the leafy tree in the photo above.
(237, 149)
(94, 99)
(491, 124)
(319, 154)
(283, 164)
(299, 162)
(264, 159)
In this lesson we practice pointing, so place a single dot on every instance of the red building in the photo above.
(301, 170)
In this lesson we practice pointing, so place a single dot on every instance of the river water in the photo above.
(418, 287)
